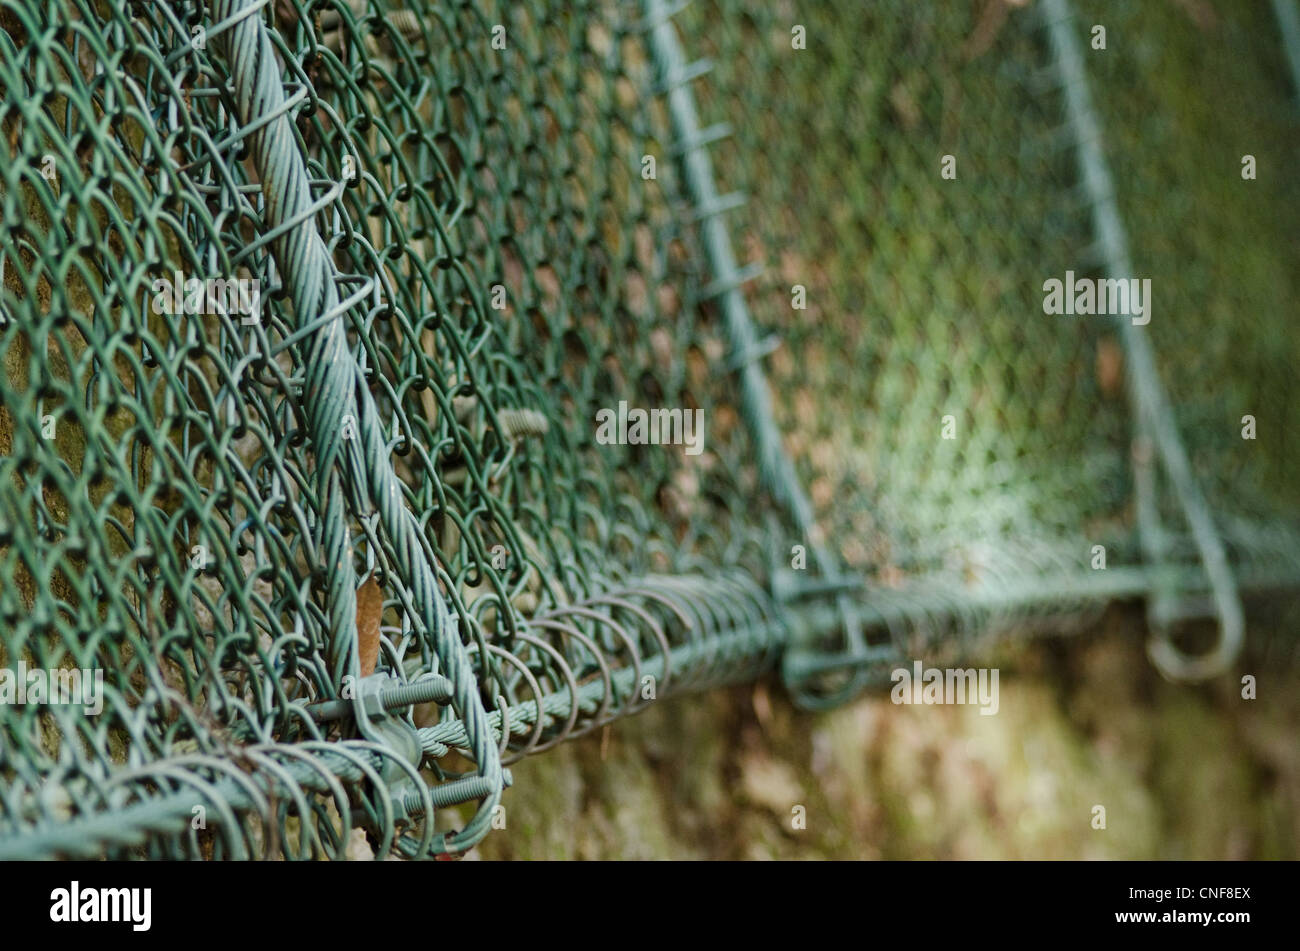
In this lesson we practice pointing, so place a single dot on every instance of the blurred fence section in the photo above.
(916, 175)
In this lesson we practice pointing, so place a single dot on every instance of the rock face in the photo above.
(1181, 772)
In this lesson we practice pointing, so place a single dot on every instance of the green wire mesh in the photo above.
(495, 270)
(908, 328)
(463, 255)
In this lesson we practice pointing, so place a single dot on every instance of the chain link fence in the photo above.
(386, 396)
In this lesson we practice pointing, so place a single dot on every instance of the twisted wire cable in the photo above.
(334, 389)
